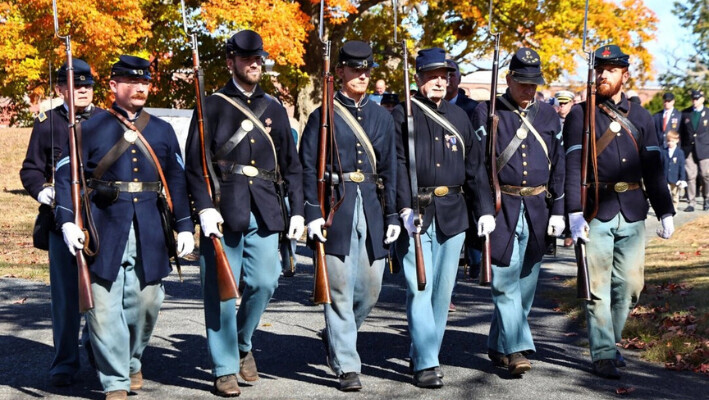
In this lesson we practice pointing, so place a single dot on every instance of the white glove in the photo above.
(556, 225)
(668, 227)
(681, 184)
(185, 243)
(73, 237)
(486, 225)
(392, 234)
(315, 230)
(296, 227)
(209, 220)
(579, 227)
(407, 216)
(46, 195)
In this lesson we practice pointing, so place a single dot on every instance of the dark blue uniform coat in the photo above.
(379, 127)
(440, 162)
(466, 103)
(240, 194)
(674, 166)
(620, 162)
(113, 221)
(695, 140)
(528, 167)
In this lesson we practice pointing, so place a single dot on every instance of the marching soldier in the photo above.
(530, 165)
(366, 222)
(449, 163)
(626, 153)
(50, 134)
(249, 142)
(126, 182)
(694, 138)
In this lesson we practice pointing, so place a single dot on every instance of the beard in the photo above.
(608, 89)
(245, 77)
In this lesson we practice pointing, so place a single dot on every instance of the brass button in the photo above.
(524, 173)
(623, 160)
(438, 164)
(524, 182)
(135, 169)
(135, 199)
(695, 135)
(359, 152)
(524, 154)
(524, 163)
(358, 145)
(135, 179)
(359, 161)
(253, 162)
(617, 134)
(132, 151)
(135, 159)
(524, 146)
(359, 118)
(436, 138)
(253, 141)
(248, 101)
(251, 182)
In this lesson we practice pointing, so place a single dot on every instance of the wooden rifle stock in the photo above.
(228, 289)
(420, 266)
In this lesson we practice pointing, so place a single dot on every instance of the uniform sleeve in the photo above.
(34, 167)
(558, 169)
(196, 185)
(653, 173)
(308, 157)
(64, 210)
(289, 163)
(477, 184)
(175, 176)
(572, 133)
(403, 185)
(387, 168)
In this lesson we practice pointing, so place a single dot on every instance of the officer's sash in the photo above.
(444, 123)
(521, 134)
(359, 133)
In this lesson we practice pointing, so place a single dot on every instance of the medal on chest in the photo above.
(268, 123)
(452, 142)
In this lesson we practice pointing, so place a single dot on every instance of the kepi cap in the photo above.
(430, 59)
(131, 66)
(356, 54)
(611, 55)
(525, 67)
(82, 73)
(246, 43)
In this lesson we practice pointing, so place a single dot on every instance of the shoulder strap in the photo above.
(609, 108)
(254, 119)
(444, 123)
(527, 126)
(359, 133)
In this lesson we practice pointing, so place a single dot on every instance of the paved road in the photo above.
(291, 358)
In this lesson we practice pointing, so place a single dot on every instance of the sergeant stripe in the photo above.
(480, 132)
(653, 148)
(573, 148)
(64, 161)
(64, 208)
(179, 161)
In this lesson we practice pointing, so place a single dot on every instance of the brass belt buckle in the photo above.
(250, 171)
(134, 187)
(357, 177)
(526, 191)
(620, 187)
(440, 191)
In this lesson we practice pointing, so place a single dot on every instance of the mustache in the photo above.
(139, 96)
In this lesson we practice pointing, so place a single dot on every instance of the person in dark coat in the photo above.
(694, 139)
(673, 162)
(614, 228)
(530, 162)
(449, 166)
(50, 135)
(668, 119)
(248, 137)
(127, 272)
(366, 222)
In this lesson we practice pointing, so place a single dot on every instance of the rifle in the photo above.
(86, 301)
(321, 292)
(413, 178)
(226, 283)
(491, 156)
(583, 289)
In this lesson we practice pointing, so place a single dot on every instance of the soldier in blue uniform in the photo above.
(694, 139)
(127, 272)
(366, 222)
(50, 134)
(530, 164)
(449, 165)
(668, 119)
(627, 153)
(249, 142)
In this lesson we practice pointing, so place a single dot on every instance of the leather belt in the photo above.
(128, 187)
(356, 176)
(618, 187)
(248, 170)
(523, 190)
(440, 191)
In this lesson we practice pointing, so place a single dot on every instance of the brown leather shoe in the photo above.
(498, 359)
(606, 369)
(117, 395)
(136, 381)
(227, 386)
(247, 368)
(518, 364)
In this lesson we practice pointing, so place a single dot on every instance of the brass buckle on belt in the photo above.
(250, 171)
(620, 187)
(357, 177)
(134, 187)
(440, 191)
(526, 191)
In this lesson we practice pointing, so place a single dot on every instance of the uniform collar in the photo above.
(348, 102)
(230, 89)
(63, 110)
(125, 113)
(624, 104)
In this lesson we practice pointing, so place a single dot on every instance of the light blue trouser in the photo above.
(66, 319)
(228, 331)
(512, 292)
(427, 310)
(354, 288)
(616, 263)
(122, 321)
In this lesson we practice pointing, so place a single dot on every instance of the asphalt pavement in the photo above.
(291, 359)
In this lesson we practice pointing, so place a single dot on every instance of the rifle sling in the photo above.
(359, 133)
(521, 134)
(442, 122)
